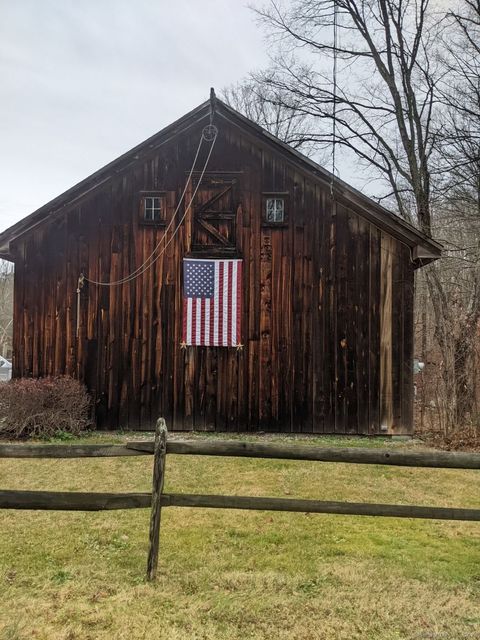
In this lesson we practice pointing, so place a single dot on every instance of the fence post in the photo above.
(157, 488)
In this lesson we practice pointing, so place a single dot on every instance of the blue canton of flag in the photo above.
(199, 279)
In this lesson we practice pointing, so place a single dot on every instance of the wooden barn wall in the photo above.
(327, 308)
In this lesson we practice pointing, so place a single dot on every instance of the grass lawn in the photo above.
(235, 574)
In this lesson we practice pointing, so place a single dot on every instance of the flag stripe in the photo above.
(189, 321)
(238, 314)
(229, 302)
(220, 303)
(216, 297)
(194, 322)
(206, 324)
(184, 327)
(211, 322)
(225, 306)
(198, 318)
(233, 321)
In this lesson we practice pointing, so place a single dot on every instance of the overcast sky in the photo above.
(82, 81)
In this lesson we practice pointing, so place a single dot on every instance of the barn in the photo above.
(318, 331)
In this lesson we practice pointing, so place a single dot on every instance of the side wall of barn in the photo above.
(327, 309)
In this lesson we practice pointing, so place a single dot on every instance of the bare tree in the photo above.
(383, 96)
(458, 224)
(459, 139)
(274, 110)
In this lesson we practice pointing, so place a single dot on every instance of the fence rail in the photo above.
(76, 501)
(70, 451)
(234, 448)
(73, 500)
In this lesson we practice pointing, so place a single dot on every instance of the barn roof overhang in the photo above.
(423, 248)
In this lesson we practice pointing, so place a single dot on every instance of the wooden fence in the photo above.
(77, 501)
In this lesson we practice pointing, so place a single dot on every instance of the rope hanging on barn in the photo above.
(209, 135)
(334, 108)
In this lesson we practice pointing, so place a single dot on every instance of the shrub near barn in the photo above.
(43, 407)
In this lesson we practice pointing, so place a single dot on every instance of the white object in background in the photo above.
(5, 370)
(418, 366)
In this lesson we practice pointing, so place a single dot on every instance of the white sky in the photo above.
(82, 81)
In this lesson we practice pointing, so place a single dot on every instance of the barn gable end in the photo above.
(327, 310)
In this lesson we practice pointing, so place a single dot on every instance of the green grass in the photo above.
(233, 574)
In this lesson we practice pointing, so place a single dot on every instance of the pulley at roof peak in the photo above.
(210, 131)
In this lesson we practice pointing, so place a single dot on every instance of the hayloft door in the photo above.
(214, 217)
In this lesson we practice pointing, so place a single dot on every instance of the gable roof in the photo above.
(424, 248)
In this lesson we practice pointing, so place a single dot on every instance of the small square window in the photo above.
(153, 208)
(275, 210)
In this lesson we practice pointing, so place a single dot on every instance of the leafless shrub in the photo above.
(44, 407)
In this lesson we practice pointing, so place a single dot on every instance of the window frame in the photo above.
(275, 195)
(144, 196)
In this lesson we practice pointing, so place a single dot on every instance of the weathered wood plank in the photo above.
(362, 391)
(265, 360)
(72, 501)
(439, 459)
(319, 353)
(352, 396)
(68, 451)
(356, 455)
(343, 320)
(408, 342)
(374, 332)
(398, 306)
(319, 506)
(386, 335)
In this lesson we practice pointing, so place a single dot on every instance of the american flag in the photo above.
(212, 302)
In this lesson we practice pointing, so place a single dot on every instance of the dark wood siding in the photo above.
(327, 307)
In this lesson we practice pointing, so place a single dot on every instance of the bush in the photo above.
(43, 407)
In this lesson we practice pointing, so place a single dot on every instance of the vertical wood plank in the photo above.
(363, 266)
(352, 326)
(319, 262)
(300, 409)
(330, 314)
(397, 336)
(386, 391)
(374, 331)
(341, 320)
(265, 360)
(408, 343)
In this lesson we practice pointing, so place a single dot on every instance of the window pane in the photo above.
(279, 210)
(270, 210)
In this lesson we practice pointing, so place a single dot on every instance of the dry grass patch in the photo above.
(229, 575)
